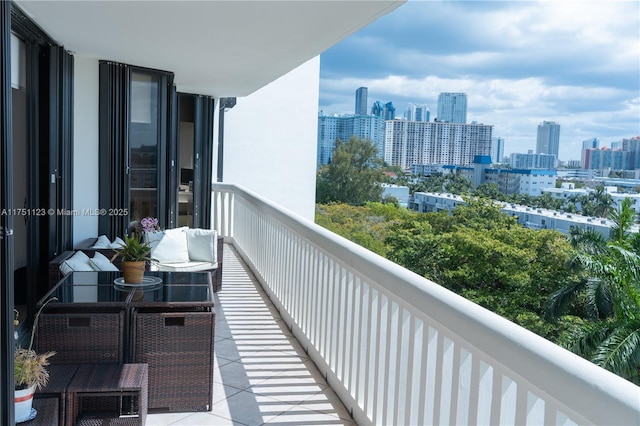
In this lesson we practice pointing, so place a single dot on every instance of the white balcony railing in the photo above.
(399, 349)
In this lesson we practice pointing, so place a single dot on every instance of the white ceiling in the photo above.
(218, 48)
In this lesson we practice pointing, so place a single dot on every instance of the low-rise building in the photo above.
(399, 192)
(426, 169)
(425, 202)
(529, 217)
(521, 181)
(568, 192)
(509, 181)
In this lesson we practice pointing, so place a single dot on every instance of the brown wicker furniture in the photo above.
(169, 326)
(178, 346)
(175, 335)
(82, 337)
(108, 394)
(48, 413)
(59, 377)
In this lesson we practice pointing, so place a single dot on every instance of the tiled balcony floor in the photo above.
(262, 376)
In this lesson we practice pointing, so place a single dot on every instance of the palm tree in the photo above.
(611, 290)
(603, 202)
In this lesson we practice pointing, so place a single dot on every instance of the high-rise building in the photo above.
(416, 142)
(389, 112)
(386, 111)
(452, 107)
(615, 145)
(362, 94)
(592, 143)
(605, 158)
(332, 128)
(548, 141)
(417, 113)
(532, 161)
(377, 109)
(633, 146)
(497, 150)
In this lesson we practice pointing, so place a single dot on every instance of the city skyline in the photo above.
(520, 63)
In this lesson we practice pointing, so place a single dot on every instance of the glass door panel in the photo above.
(143, 146)
(20, 163)
(186, 137)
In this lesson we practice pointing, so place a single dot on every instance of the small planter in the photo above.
(23, 400)
(133, 271)
(135, 253)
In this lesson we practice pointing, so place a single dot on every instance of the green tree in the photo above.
(480, 213)
(354, 175)
(603, 202)
(546, 201)
(611, 291)
(433, 183)
(366, 225)
(457, 184)
(476, 251)
(488, 190)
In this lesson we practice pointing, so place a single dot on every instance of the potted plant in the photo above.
(135, 254)
(30, 373)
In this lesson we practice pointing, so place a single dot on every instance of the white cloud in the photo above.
(520, 63)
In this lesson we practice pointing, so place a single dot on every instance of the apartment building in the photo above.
(412, 142)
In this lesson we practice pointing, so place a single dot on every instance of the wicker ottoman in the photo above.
(108, 394)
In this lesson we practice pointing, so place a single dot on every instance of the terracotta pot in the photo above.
(133, 272)
(23, 399)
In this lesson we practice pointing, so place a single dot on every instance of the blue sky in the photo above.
(575, 62)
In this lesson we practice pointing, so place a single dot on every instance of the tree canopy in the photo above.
(353, 176)
(476, 251)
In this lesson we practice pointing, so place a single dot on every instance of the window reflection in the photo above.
(143, 146)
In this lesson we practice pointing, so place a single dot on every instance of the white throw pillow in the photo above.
(202, 245)
(101, 262)
(117, 243)
(172, 248)
(153, 238)
(78, 262)
(101, 243)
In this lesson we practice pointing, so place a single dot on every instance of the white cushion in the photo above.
(202, 245)
(78, 262)
(116, 243)
(101, 243)
(153, 238)
(183, 267)
(172, 248)
(100, 262)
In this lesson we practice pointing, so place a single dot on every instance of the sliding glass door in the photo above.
(156, 150)
(195, 160)
(134, 173)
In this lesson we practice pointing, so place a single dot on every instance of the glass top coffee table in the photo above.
(107, 289)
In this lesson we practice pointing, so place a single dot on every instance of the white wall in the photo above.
(270, 140)
(85, 147)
